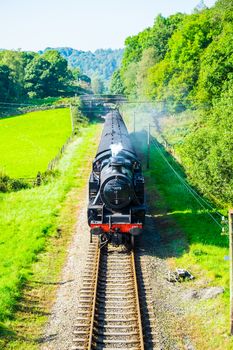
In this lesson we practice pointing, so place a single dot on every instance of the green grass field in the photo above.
(29, 217)
(28, 142)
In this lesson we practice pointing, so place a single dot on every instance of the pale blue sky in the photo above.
(81, 24)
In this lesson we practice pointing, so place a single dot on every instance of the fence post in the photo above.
(38, 179)
(71, 118)
(231, 268)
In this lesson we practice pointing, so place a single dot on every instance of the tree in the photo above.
(216, 66)
(148, 60)
(59, 75)
(156, 37)
(98, 86)
(117, 86)
(175, 78)
(14, 60)
(37, 77)
(130, 80)
(47, 75)
(207, 151)
(6, 83)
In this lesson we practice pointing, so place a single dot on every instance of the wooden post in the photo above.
(71, 118)
(231, 268)
(148, 147)
(38, 179)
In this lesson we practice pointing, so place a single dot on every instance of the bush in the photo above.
(17, 185)
(207, 151)
(11, 185)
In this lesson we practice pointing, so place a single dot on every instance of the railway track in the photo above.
(110, 315)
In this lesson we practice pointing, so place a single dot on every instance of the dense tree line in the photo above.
(187, 62)
(99, 65)
(55, 72)
(26, 75)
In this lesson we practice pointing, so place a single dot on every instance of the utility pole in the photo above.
(148, 146)
(134, 122)
(231, 268)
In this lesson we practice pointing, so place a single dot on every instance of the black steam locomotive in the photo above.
(116, 209)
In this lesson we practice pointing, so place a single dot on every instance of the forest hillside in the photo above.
(183, 64)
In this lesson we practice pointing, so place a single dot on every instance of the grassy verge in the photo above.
(28, 142)
(32, 221)
(203, 255)
(190, 238)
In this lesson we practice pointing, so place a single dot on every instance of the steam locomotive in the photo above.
(116, 209)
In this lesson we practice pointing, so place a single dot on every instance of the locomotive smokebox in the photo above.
(117, 162)
(116, 185)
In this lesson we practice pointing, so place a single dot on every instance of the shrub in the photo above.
(7, 184)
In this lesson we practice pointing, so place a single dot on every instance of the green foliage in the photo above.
(225, 8)
(47, 75)
(190, 67)
(207, 151)
(155, 37)
(28, 142)
(15, 62)
(145, 50)
(191, 239)
(162, 31)
(148, 60)
(130, 80)
(97, 85)
(7, 184)
(174, 79)
(216, 66)
(102, 62)
(134, 47)
(6, 84)
(31, 75)
(36, 77)
(117, 86)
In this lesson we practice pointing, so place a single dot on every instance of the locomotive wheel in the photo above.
(132, 241)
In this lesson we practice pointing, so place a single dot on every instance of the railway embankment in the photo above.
(181, 233)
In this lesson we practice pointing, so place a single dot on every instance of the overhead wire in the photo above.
(196, 193)
(187, 186)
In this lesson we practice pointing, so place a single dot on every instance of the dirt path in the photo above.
(58, 332)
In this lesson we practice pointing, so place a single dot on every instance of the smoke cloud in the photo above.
(116, 148)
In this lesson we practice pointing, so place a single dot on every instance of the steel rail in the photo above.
(137, 301)
(125, 289)
(94, 296)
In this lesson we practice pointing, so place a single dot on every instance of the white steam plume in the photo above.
(116, 148)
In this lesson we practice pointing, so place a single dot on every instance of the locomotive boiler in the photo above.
(116, 209)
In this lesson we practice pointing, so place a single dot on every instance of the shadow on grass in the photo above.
(29, 306)
(59, 283)
(6, 335)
